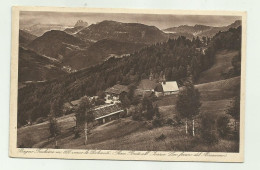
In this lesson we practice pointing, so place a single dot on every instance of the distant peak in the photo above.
(81, 23)
(238, 22)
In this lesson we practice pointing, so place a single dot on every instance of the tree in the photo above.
(174, 73)
(208, 128)
(195, 68)
(101, 94)
(204, 40)
(137, 114)
(84, 115)
(234, 110)
(222, 125)
(236, 63)
(157, 122)
(54, 127)
(125, 101)
(147, 106)
(188, 103)
(56, 106)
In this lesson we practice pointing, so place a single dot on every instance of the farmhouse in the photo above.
(146, 87)
(106, 113)
(113, 93)
(169, 87)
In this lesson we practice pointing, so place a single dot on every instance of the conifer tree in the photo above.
(188, 103)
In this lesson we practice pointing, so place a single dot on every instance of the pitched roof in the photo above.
(170, 86)
(117, 89)
(106, 110)
(139, 92)
(147, 84)
(76, 102)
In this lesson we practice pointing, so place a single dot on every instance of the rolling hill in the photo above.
(128, 32)
(101, 51)
(222, 65)
(34, 67)
(25, 38)
(56, 44)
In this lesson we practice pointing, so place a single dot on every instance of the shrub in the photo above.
(136, 116)
(178, 120)
(222, 125)
(208, 128)
(77, 133)
(54, 128)
(157, 122)
(27, 142)
(169, 121)
(160, 138)
(123, 114)
(209, 136)
(149, 125)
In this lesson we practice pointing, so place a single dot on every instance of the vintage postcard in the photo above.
(127, 84)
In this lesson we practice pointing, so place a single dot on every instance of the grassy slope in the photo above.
(125, 134)
(222, 65)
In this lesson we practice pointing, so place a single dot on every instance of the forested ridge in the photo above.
(171, 58)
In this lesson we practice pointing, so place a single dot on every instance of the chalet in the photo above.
(106, 113)
(70, 106)
(169, 87)
(146, 87)
(113, 93)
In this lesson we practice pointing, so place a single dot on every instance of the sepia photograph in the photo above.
(127, 84)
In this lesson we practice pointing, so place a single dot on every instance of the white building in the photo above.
(170, 87)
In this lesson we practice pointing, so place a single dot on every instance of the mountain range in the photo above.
(96, 43)
(83, 46)
(201, 30)
(40, 29)
(128, 32)
(80, 25)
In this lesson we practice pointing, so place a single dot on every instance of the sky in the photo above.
(162, 21)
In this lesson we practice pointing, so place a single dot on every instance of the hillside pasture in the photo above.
(39, 134)
(219, 90)
(222, 65)
(113, 130)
